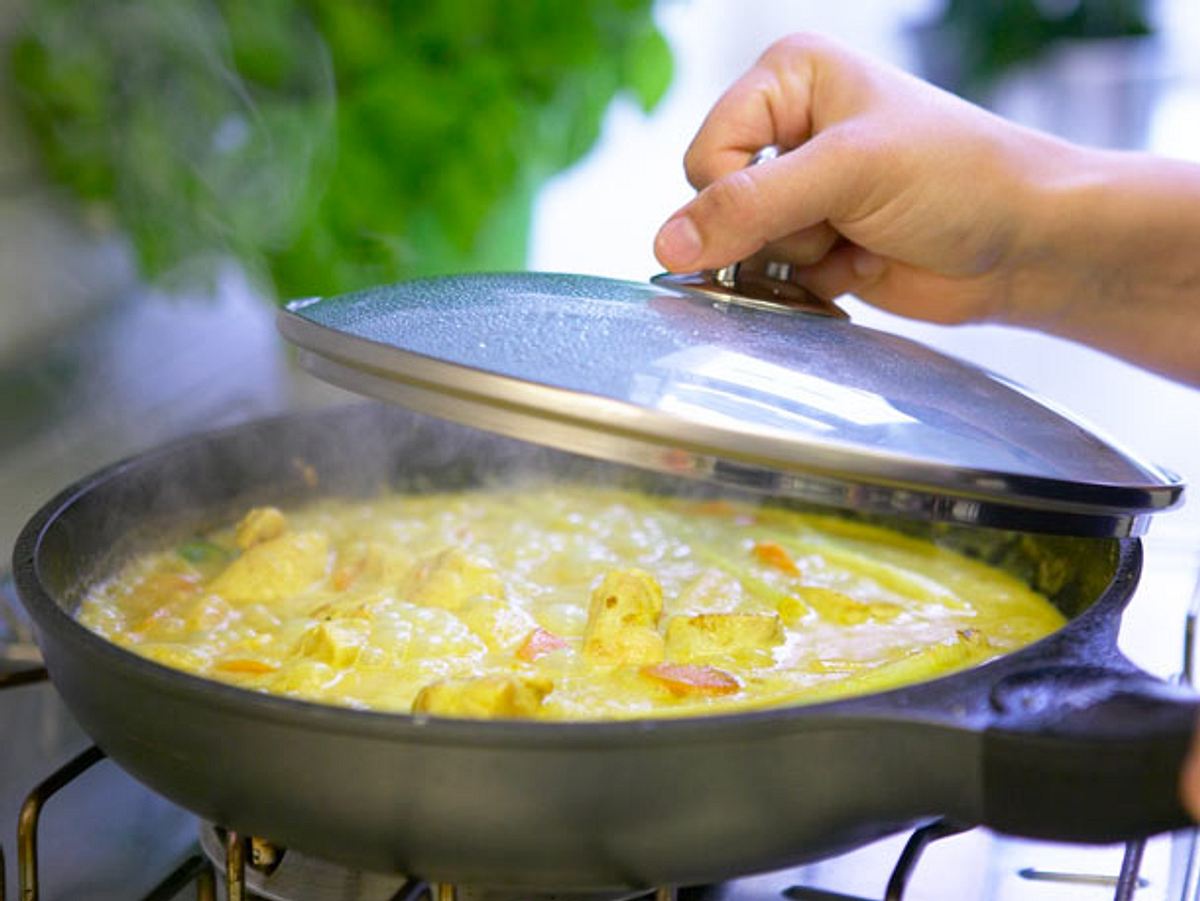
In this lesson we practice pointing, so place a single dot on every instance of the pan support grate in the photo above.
(198, 870)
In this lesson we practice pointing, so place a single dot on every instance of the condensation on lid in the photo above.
(616, 368)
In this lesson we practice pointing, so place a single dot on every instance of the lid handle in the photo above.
(727, 276)
(772, 288)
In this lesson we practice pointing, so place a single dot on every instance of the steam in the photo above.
(205, 164)
(208, 481)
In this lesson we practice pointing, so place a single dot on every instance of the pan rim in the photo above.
(900, 706)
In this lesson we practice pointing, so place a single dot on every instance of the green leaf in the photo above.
(649, 68)
(327, 144)
(203, 553)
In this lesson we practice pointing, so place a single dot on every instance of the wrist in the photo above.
(1112, 258)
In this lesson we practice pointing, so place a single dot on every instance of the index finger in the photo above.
(770, 104)
(739, 213)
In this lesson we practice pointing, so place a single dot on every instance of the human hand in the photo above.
(925, 205)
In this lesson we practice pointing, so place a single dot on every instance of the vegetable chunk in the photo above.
(845, 611)
(746, 637)
(364, 564)
(538, 644)
(484, 697)
(501, 626)
(259, 525)
(622, 619)
(274, 569)
(713, 591)
(683, 680)
(775, 555)
(337, 643)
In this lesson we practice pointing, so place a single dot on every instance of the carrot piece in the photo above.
(539, 643)
(242, 665)
(772, 554)
(686, 679)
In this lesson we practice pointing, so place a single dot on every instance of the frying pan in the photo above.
(1064, 739)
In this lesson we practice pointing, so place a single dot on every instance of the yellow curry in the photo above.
(562, 603)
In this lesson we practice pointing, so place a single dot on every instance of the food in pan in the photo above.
(562, 603)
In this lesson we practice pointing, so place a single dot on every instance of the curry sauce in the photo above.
(562, 603)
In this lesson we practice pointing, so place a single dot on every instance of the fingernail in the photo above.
(678, 243)
(867, 265)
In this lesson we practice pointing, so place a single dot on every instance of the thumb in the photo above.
(738, 214)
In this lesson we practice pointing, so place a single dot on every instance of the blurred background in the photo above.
(169, 169)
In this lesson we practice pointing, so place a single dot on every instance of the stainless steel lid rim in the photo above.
(634, 436)
(558, 404)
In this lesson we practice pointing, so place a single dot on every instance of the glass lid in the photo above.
(687, 378)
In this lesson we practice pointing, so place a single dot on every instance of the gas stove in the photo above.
(74, 826)
(89, 831)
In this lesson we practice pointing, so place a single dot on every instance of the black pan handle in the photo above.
(1083, 753)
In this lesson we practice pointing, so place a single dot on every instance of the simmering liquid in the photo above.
(562, 603)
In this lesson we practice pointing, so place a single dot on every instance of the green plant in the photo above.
(325, 144)
(983, 39)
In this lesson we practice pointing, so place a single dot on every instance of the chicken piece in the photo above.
(502, 626)
(411, 636)
(274, 569)
(355, 607)
(369, 563)
(302, 677)
(684, 681)
(176, 656)
(745, 637)
(844, 610)
(565, 619)
(207, 613)
(337, 643)
(792, 610)
(161, 588)
(448, 579)
(622, 625)
(163, 624)
(713, 591)
(484, 697)
(260, 619)
(259, 525)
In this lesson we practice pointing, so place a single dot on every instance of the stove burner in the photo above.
(295, 876)
(292, 876)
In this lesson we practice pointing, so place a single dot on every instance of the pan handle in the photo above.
(1082, 753)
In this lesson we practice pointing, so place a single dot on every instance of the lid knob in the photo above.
(770, 288)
